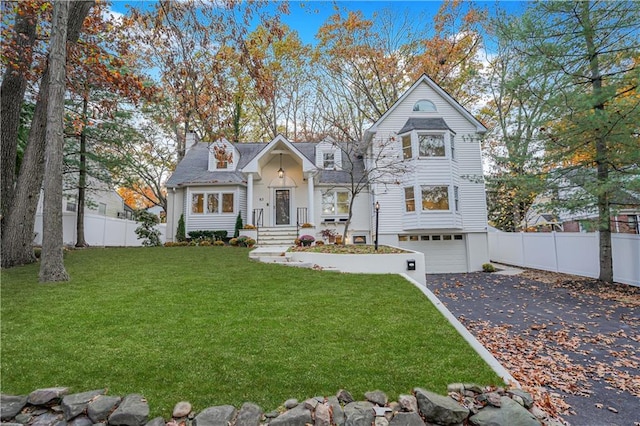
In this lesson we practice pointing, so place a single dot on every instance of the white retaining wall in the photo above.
(99, 231)
(568, 252)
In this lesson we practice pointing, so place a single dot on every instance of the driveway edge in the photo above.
(487, 357)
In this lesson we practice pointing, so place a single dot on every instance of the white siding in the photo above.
(465, 171)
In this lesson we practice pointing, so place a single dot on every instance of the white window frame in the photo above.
(432, 106)
(407, 150)
(423, 187)
(335, 203)
(329, 164)
(456, 198)
(432, 134)
(102, 209)
(220, 195)
(406, 200)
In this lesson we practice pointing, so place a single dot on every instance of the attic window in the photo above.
(222, 156)
(328, 160)
(424, 105)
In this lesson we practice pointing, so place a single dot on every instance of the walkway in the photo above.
(567, 338)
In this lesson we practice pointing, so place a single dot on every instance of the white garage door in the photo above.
(443, 253)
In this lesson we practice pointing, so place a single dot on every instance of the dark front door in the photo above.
(283, 207)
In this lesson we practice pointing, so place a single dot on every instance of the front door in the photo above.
(283, 207)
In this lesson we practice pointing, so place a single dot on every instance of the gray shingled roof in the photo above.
(424, 124)
(192, 170)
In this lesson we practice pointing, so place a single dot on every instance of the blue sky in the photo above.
(308, 19)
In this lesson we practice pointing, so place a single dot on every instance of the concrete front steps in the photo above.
(277, 236)
(276, 254)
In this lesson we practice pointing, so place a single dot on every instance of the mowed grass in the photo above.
(209, 326)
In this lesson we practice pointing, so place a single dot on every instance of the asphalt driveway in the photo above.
(573, 342)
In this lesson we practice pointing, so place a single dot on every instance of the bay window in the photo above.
(216, 203)
(409, 199)
(431, 145)
(435, 198)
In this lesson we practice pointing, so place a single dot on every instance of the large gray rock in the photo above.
(406, 419)
(215, 416)
(80, 421)
(297, 416)
(250, 415)
(377, 397)
(11, 405)
(510, 414)
(337, 413)
(359, 414)
(74, 405)
(44, 396)
(290, 403)
(48, 419)
(132, 411)
(158, 421)
(440, 409)
(323, 415)
(100, 408)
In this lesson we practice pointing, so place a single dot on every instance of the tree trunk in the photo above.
(602, 152)
(52, 261)
(17, 236)
(82, 175)
(14, 85)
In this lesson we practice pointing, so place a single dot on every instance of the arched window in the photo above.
(424, 105)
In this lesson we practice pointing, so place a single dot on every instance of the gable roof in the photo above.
(192, 170)
(424, 79)
(252, 165)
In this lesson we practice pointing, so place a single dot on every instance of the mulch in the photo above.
(573, 342)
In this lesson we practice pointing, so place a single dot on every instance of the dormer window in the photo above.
(223, 156)
(424, 105)
(328, 160)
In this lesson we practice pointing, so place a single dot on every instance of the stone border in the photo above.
(466, 403)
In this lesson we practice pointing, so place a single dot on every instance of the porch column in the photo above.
(310, 190)
(250, 199)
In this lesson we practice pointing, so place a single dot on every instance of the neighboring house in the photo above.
(625, 217)
(438, 207)
(101, 199)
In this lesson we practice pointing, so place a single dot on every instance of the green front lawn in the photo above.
(209, 326)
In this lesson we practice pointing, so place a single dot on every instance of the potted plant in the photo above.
(306, 240)
(329, 234)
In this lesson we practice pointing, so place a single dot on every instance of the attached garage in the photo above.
(443, 253)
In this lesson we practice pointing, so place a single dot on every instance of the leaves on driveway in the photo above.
(557, 334)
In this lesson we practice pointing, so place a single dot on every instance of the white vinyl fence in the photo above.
(569, 252)
(99, 231)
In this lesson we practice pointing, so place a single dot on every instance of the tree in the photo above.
(147, 231)
(52, 263)
(591, 49)
(17, 235)
(515, 113)
(368, 163)
(18, 54)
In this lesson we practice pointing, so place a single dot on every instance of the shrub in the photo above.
(244, 241)
(238, 225)
(319, 243)
(249, 227)
(147, 231)
(180, 232)
(487, 267)
(220, 235)
(201, 235)
(218, 243)
(205, 243)
(328, 233)
(306, 225)
(233, 241)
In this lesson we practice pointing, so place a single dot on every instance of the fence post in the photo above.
(524, 256)
(555, 251)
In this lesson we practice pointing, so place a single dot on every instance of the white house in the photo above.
(437, 206)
